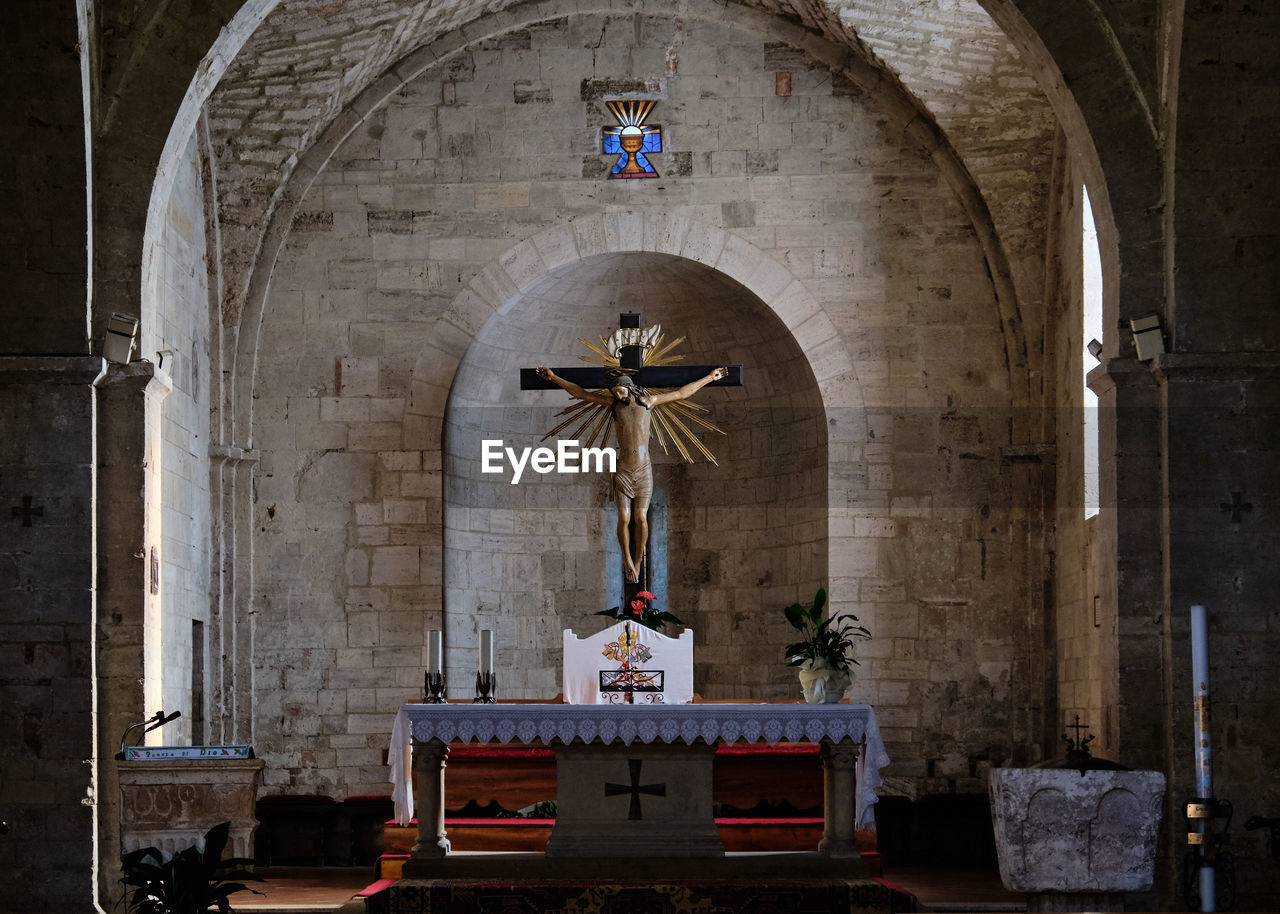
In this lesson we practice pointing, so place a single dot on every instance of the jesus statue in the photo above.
(630, 408)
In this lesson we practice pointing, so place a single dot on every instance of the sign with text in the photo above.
(169, 753)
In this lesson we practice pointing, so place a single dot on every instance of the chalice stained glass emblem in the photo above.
(632, 139)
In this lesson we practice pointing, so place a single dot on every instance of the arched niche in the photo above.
(743, 537)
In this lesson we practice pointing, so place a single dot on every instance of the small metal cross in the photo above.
(635, 789)
(1237, 505)
(1078, 744)
(26, 511)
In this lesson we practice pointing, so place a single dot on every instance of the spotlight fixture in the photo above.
(1147, 338)
(1095, 349)
(121, 337)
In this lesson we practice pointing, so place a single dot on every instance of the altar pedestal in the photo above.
(646, 801)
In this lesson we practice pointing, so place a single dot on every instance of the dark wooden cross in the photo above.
(1238, 504)
(667, 376)
(26, 511)
(593, 378)
(635, 788)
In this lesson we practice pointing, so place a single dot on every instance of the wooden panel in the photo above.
(746, 776)
(512, 783)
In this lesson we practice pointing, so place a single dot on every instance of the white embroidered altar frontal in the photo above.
(626, 724)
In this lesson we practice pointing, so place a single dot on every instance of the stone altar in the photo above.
(616, 761)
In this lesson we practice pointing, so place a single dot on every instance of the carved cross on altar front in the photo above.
(635, 788)
(631, 361)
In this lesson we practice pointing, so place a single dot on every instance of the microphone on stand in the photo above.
(159, 719)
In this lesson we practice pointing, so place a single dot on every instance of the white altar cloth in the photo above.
(552, 723)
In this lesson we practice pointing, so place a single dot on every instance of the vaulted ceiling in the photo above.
(313, 66)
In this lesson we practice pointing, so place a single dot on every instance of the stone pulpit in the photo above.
(170, 803)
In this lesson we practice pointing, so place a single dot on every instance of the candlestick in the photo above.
(434, 652)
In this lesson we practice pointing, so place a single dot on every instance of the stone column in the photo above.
(51, 753)
(1130, 574)
(231, 629)
(1221, 454)
(129, 597)
(429, 760)
(839, 783)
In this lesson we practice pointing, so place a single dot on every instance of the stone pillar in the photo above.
(231, 623)
(429, 760)
(1130, 573)
(1221, 453)
(47, 601)
(129, 594)
(839, 783)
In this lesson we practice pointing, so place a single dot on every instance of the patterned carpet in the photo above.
(799, 896)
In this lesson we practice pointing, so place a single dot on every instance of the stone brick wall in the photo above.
(362, 543)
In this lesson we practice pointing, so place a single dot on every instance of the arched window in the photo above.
(1091, 323)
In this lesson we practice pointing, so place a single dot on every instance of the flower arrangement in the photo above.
(642, 612)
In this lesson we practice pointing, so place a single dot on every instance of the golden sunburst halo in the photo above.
(672, 421)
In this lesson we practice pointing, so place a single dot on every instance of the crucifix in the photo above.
(633, 361)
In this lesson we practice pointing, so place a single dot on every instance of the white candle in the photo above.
(486, 651)
(434, 651)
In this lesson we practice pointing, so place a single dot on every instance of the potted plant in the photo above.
(190, 882)
(824, 653)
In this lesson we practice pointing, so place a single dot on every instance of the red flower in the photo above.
(636, 611)
(637, 606)
(646, 595)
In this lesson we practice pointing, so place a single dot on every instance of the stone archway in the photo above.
(740, 538)
(517, 271)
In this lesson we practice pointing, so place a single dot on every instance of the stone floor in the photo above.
(326, 890)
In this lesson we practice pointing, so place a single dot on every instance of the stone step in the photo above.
(622, 892)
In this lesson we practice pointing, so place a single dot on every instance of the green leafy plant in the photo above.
(192, 881)
(826, 641)
(642, 612)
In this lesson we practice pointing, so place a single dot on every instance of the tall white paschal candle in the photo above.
(1204, 758)
(486, 651)
(434, 651)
